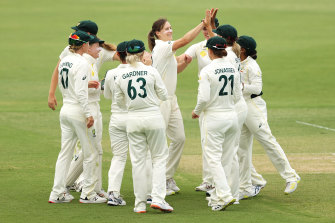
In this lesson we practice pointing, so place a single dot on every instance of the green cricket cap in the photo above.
(87, 26)
(247, 42)
(96, 40)
(122, 47)
(135, 46)
(217, 43)
(78, 38)
(227, 31)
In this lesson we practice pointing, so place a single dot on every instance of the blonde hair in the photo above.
(74, 48)
(236, 48)
(133, 58)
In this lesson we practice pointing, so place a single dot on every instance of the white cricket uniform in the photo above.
(76, 167)
(117, 131)
(199, 51)
(164, 60)
(141, 87)
(73, 83)
(217, 95)
(256, 125)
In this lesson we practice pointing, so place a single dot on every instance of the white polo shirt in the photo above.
(199, 51)
(164, 60)
(109, 91)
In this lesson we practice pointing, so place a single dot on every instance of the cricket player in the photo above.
(199, 51)
(163, 49)
(140, 87)
(217, 94)
(229, 33)
(77, 122)
(256, 124)
(117, 131)
(107, 53)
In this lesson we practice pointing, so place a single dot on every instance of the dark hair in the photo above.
(251, 53)
(156, 27)
(219, 53)
(230, 40)
(122, 56)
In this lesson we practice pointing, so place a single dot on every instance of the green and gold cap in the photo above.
(78, 38)
(87, 26)
(247, 42)
(227, 31)
(217, 43)
(122, 47)
(135, 46)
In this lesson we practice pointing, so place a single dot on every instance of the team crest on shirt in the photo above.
(203, 53)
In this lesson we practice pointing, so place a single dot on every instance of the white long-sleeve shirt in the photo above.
(109, 91)
(73, 81)
(251, 77)
(164, 60)
(199, 51)
(142, 87)
(218, 87)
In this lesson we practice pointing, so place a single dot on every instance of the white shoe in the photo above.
(94, 200)
(149, 199)
(141, 208)
(163, 206)
(67, 192)
(115, 199)
(252, 192)
(261, 186)
(171, 184)
(140, 211)
(102, 193)
(204, 186)
(223, 207)
(61, 199)
(170, 192)
(291, 187)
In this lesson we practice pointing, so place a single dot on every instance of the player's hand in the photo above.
(194, 116)
(207, 21)
(93, 84)
(213, 16)
(89, 122)
(187, 59)
(52, 102)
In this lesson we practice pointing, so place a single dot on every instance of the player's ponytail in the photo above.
(108, 46)
(236, 49)
(156, 27)
(253, 54)
(151, 40)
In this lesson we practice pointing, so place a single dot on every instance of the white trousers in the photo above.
(76, 167)
(256, 125)
(147, 131)
(175, 132)
(119, 145)
(73, 129)
(206, 173)
(219, 146)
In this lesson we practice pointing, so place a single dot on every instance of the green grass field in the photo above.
(295, 49)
